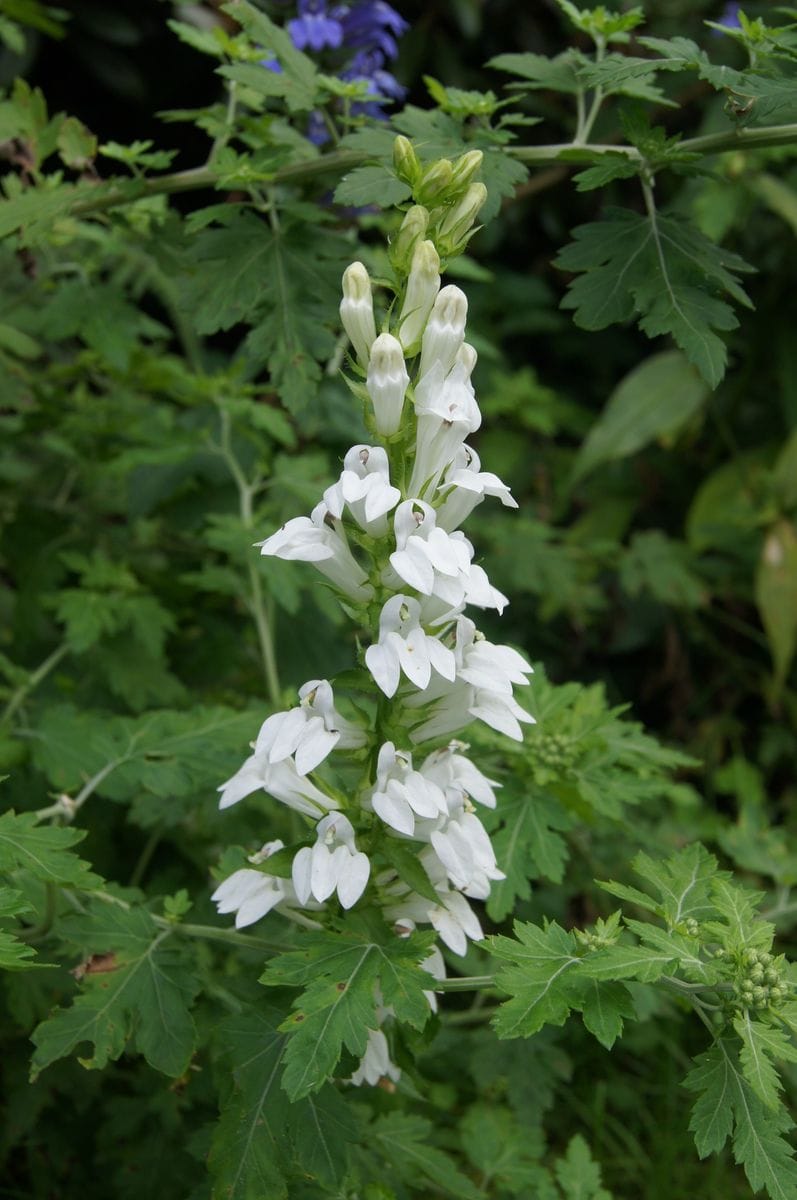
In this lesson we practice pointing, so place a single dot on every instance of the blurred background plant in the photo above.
(170, 393)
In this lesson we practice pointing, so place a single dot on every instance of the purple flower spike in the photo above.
(373, 25)
(730, 16)
(315, 28)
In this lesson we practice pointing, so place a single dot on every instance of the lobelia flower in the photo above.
(364, 487)
(280, 780)
(401, 793)
(357, 311)
(333, 864)
(309, 732)
(465, 486)
(445, 330)
(463, 846)
(452, 917)
(404, 646)
(452, 771)
(447, 412)
(319, 539)
(315, 28)
(423, 286)
(376, 1064)
(387, 383)
(252, 894)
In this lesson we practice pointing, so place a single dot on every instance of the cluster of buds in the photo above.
(760, 983)
(386, 537)
(448, 201)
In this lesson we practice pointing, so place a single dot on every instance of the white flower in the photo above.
(423, 286)
(445, 330)
(387, 383)
(252, 894)
(281, 780)
(319, 539)
(404, 646)
(376, 1063)
(452, 771)
(309, 732)
(447, 412)
(451, 916)
(465, 486)
(333, 864)
(402, 793)
(357, 310)
(464, 848)
(364, 485)
(429, 559)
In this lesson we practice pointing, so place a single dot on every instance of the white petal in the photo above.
(353, 882)
(384, 667)
(394, 811)
(323, 874)
(300, 874)
(414, 568)
(414, 657)
(243, 783)
(314, 747)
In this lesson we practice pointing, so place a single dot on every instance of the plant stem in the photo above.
(44, 925)
(66, 806)
(465, 983)
(33, 681)
(145, 857)
(211, 933)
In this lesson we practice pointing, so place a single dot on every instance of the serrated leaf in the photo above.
(345, 978)
(538, 981)
(654, 400)
(577, 1173)
(557, 74)
(760, 1043)
(627, 962)
(505, 1151)
(683, 882)
(371, 185)
(141, 987)
(297, 82)
(604, 1007)
(14, 954)
(662, 270)
(528, 845)
(43, 850)
(404, 1141)
(608, 168)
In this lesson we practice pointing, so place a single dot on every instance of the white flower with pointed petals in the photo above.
(309, 732)
(401, 793)
(387, 383)
(447, 413)
(465, 486)
(453, 772)
(280, 780)
(452, 917)
(404, 646)
(376, 1064)
(429, 559)
(333, 864)
(364, 486)
(252, 894)
(464, 848)
(319, 539)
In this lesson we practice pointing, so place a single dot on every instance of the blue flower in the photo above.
(730, 16)
(373, 25)
(315, 28)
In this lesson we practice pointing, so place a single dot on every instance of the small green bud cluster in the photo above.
(760, 984)
(691, 927)
(554, 750)
(447, 202)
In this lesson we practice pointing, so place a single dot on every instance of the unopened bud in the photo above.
(387, 383)
(468, 357)
(412, 231)
(405, 161)
(452, 235)
(445, 330)
(435, 182)
(423, 287)
(357, 310)
(466, 168)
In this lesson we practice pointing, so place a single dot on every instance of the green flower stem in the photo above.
(340, 161)
(65, 807)
(33, 681)
(210, 933)
(466, 983)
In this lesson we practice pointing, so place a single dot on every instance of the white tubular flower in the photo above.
(464, 848)
(309, 732)
(319, 539)
(387, 383)
(333, 864)
(423, 286)
(364, 485)
(453, 772)
(430, 560)
(465, 486)
(357, 311)
(280, 780)
(376, 1063)
(452, 917)
(445, 330)
(253, 894)
(447, 412)
(402, 793)
(403, 646)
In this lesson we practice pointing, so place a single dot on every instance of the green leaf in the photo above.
(776, 595)
(683, 883)
(761, 1042)
(654, 401)
(134, 985)
(297, 82)
(345, 977)
(662, 567)
(371, 185)
(538, 71)
(627, 962)
(504, 1151)
(44, 851)
(528, 846)
(727, 1103)
(404, 1141)
(608, 168)
(14, 954)
(538, 981)
(603, 1008)
(662, 270)
(77, 145)
(578, 1175)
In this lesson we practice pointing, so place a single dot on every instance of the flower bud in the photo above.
(405, 161)
(423, 286)
(412, 231)
(452, 235)
(445, 330)
(357, 310)
(435, 182)
(466, 168)
(387, 383)
(467, 357)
